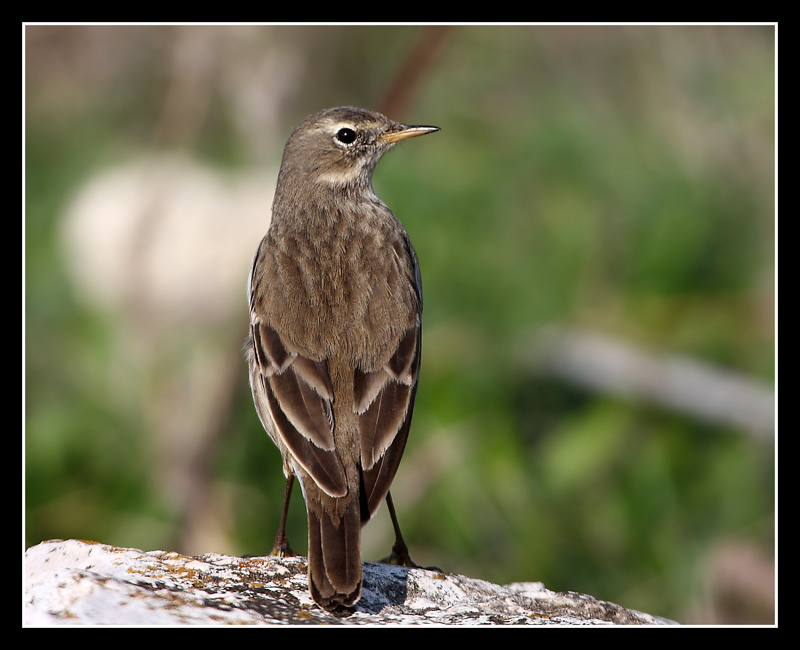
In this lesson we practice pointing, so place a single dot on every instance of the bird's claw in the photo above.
(400, 557)
(282, 549)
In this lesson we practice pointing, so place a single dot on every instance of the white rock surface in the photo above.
(77, 582)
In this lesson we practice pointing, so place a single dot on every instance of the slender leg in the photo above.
(281, 546)
(399, 554)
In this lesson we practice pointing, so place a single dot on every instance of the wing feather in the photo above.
(385, 421)
(298, 394)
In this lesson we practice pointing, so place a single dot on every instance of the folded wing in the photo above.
(298, 394)
(384, 401)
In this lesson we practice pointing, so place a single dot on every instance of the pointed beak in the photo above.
(407, 132)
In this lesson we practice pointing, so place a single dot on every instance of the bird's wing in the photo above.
(298, 395)
(384, 400)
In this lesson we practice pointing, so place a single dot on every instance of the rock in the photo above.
(78, 582)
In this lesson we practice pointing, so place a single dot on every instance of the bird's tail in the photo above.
(334, 554)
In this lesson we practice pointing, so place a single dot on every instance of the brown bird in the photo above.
(334, 348)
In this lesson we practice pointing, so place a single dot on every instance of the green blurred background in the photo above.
(595, 224)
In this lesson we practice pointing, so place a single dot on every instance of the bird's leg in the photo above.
(399, 554)
(281, 546)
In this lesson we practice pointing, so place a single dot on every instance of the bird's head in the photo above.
(339, 147)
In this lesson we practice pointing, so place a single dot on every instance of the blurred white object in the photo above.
(169, 236)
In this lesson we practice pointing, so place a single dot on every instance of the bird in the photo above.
(333, 351)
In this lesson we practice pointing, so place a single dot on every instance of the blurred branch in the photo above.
(419, 61)
(674, 382)
(194, 58)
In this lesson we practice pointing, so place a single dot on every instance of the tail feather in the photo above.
(334, 555)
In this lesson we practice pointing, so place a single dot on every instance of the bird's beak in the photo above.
(407, 132)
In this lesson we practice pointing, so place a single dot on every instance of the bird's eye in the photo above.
(345, 135)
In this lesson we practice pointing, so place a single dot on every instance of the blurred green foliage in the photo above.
(617, 179)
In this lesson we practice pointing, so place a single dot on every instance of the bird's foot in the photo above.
(282, 549)
(401, 557)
